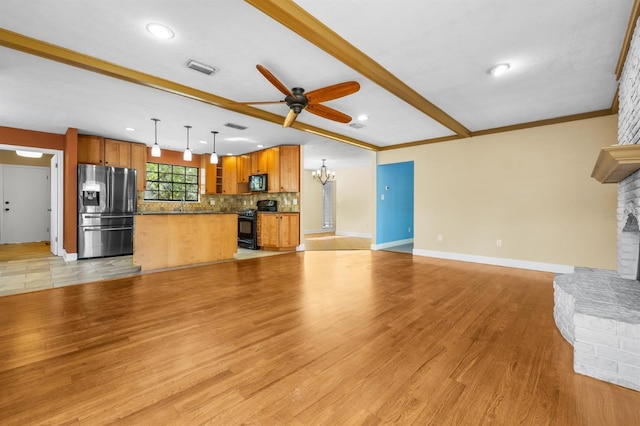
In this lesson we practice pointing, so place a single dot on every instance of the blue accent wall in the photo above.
(394, 188)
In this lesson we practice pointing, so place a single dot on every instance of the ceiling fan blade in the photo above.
(291, 117)
(326, 112)
(273, 80)
(332, 92)
(261, 102)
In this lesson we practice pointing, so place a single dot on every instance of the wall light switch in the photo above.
(212, 202)
(439, 237)
(295, 201)
(382, 197)
(499, 243)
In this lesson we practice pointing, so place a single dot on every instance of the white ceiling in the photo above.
(563, 55)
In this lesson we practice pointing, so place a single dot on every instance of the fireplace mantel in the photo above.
(616, 162)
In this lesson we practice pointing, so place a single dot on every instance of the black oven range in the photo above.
(248, 223)
(247, 229)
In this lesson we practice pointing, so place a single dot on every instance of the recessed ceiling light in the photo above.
(260, 146)
(202, 141)
(160, 31)
(363, 117)
(29, 154)
(130, 129)
(229, 153)
(498, 70)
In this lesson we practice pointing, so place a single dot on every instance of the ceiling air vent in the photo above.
(205, 69)
(357, 126)
(235, 126)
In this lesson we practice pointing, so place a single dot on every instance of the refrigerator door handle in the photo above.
(107, 229)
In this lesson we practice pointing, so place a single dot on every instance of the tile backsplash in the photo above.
(287, 202)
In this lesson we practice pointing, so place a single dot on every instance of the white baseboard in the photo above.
(391, 244)
(498, 261)
(69, 257)
(316, 231)
(352, 234)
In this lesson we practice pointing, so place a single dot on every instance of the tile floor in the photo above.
(20, 276)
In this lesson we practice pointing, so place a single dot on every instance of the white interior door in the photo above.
(25, 204)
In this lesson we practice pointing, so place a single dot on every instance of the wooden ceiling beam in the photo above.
(55, 53)
(307, 26)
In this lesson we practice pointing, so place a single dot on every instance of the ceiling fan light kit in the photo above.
(297, 100)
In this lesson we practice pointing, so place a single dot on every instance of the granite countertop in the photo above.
(187, 212)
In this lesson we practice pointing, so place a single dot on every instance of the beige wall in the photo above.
(312, 218)
(355, 202)
(530, 188)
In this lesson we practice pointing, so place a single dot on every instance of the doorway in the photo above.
(25, 204)
(54, 196)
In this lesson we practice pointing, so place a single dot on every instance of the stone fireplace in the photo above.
(598, 311)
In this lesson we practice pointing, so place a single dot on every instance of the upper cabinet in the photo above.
(210, 176)
(289, 168)
(114, 153)
(91, 150)
(139, 162)
(283, 168)
(117, 153)
(229, 175)
(259, 162)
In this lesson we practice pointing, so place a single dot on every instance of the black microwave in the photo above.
(258, 183)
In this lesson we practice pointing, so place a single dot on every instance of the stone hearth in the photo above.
(598, 312)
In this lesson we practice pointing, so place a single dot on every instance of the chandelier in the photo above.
(324, 175)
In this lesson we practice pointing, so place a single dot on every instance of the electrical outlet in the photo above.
(439, 237)
(295, 201)
(212, 202)
(409, 230)
(499, 243)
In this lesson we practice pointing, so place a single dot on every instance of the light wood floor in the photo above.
(313, 338)
(24, 251)
(330, 241)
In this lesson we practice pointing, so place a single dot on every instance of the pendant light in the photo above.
(187, 152)
(155, 149)
(214, 156)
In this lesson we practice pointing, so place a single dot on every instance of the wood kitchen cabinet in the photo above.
(210, 176)
(139, 162)
(229, 175)
(283, 164)
(109, 152)
(290, 168)
(279, 231)
(91, 150)
(259, 162)
(117, 153)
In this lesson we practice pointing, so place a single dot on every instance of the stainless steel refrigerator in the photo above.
(106, 206)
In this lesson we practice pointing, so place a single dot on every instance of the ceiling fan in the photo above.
(297, 100)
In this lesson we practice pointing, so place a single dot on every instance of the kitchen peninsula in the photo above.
(171, 239)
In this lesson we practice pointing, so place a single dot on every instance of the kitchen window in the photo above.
(169, 182)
